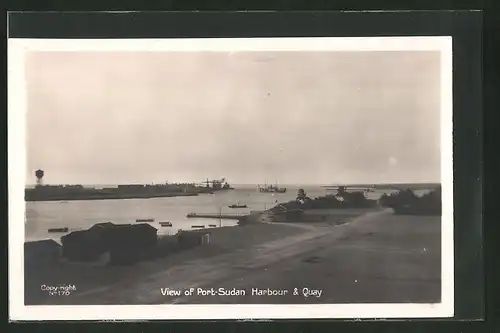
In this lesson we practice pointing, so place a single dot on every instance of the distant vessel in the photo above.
(237, 206)
(211, 186)
(272, 189)
(351, 188)
(144, 220)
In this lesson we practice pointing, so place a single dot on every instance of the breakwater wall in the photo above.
(101, 196)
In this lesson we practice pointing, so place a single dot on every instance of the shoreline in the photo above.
(374, 246)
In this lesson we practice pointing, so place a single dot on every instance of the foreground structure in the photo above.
(353, 256)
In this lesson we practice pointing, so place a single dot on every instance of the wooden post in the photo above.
(220, 216)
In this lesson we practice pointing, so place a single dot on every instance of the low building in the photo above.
(189, 239)
(42, 252)
(129, 243)
(126, 243)
(83, 245)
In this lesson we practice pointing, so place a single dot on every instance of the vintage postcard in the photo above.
(230, 178)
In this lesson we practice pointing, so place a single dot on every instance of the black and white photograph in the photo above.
(242, 178)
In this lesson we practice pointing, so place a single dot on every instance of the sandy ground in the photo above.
(354, 257)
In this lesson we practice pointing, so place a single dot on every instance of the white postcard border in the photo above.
(17, 49)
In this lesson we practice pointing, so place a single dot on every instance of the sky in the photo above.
(322, 117)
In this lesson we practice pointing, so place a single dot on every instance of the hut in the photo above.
(166, 245)
(83, 245)
(126, 243)
(129, 243)
(41, 252)
(205, 239)
(189, 239)
(100, 232)
(102, 225)
(87, 245)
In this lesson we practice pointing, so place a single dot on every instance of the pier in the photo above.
(217, 216)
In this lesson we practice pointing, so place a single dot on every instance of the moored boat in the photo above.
(58, 230)
(165, 224)
(144, 220)
(237, 206)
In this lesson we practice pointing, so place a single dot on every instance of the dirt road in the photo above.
(377, 258)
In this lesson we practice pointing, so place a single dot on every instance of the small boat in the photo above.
(145, 220)
(57, 230)
(238, 206)
(212, 225)
(197, 226)
(166, 224)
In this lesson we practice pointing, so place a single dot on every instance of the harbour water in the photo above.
(79, 215)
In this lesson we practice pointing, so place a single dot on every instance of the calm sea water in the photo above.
(78, 215)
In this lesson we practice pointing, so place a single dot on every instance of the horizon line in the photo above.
(252, 184)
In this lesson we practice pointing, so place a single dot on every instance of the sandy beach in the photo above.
(355, 256)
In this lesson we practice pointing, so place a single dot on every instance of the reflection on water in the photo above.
(77, 215)
(31, 218)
